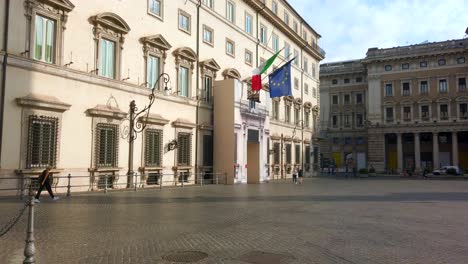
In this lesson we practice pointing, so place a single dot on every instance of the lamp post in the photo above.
(137, 126)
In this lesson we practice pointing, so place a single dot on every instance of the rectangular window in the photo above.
(263, 35)
(248, 23)
(209, 3)
(42, 142)
(444, 112)
(286, 50)
(406, 89)
(288, 154)
(184, 21)
(307, 157)
(306, 65)
(184, 149)
(207, 150)
(359, 120)
(335, 99)
(305, 35)
(297, 116)
(463, 111)
(154, 7)
(313, 70)
(314, 92)
(295, 26)
(297, 154)
(462, 84)
(423, 64)
(359, 99)
(307, 119)
(276, 149)
(335, 121)
(306, 88)
(425, 112)
(441, 62)
(388, 67)
(44, 41)
(389, 114)
(106, 145)
(358, 79)
(423, 87)
(230, 50)
(443, 87)
(275, 42)
(296, 56)
(248, 57)
(153, 147)
(207, 35)
(107, 65)
(287, 115)
(286, 18)
(347, 99)
(183, 81)
(346, 80)
(274, 7)
(461, 60)
(296, 83)
(405, 66)
(207, 89)
(407, 113)
(347, 122)
(152, 71)
(230, 11)
(388, 89)
(276, 110)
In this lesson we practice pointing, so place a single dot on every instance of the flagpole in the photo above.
(279, 66)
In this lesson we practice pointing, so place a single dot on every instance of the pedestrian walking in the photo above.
(301, 176)
(425, 173)
(44, 181)
(295, 175)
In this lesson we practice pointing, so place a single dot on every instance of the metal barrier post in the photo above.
(161, 181)
(105, 183)
(22, 188)
(136, 178)
(30, 249)
(201, 180)
(183, 179)
(69, 185)
(216, 179)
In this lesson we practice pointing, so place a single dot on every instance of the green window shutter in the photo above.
(153, 147)
(106, 145)
(42, 142)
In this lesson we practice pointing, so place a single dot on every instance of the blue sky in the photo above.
(350, 27)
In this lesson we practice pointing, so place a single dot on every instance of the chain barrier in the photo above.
(13, 220)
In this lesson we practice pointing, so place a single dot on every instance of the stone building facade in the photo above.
(71, 69)
(416, 113)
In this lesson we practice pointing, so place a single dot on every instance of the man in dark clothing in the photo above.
(300, 176)
(44, 181)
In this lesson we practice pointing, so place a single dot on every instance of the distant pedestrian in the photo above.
(425, 174)
(301, 176)
(44, 181)
(294, 175)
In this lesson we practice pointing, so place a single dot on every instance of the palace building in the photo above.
(71, 69)
(402, 108)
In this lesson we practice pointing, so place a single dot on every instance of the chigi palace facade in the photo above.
(402, 108)
(71, 68)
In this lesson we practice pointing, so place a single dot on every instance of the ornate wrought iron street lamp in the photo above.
(138, 125)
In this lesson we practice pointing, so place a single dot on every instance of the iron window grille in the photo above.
(42, 142)
(184, 146)
(276, 157)
(298, 154)
(288, 153)
(153, 147)
(106, 145)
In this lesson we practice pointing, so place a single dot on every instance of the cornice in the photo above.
(106, 111)
(45, 102)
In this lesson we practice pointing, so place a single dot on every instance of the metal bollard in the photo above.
(22, 188)
(160, 181)
(69, 185)
(183, 179)
(201, 180)
(105, 183)
(216, 179)
(30, 249)
(136, 178)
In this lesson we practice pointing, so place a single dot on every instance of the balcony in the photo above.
(444, 116)
(258, 111)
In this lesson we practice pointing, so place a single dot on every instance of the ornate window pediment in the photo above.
(51, 5)
(462, 99)
(111, 21)
(185, 53)
(443, 100)
(156, 42)
(424, 101)
(406, 103)
(210, 65)
(231, 73)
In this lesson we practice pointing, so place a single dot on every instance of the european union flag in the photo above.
(280, 81)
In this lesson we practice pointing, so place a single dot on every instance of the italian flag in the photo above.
(257, 73)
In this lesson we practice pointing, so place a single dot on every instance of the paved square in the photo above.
(321, 221)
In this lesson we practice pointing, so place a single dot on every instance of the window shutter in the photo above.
(42, 142)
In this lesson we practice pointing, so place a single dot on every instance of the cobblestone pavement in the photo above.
(321, 221)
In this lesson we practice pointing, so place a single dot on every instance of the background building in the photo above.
(416, 108)
(72, 68)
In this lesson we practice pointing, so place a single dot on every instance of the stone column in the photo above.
(455, 148)
(417, 153)
(399, 153)
(435, 150)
